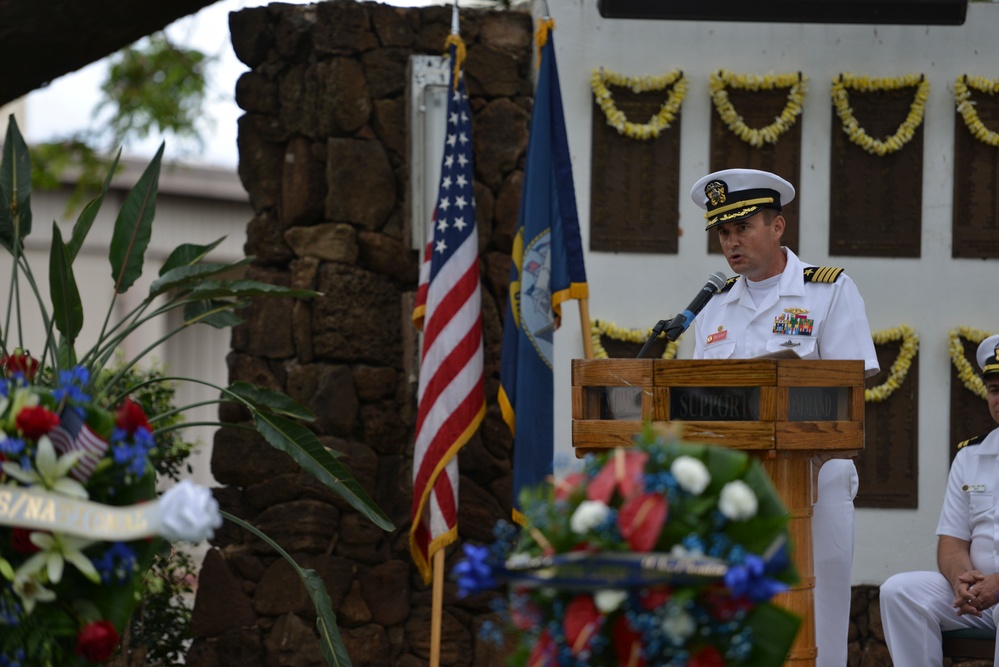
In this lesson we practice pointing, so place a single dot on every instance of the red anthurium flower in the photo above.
(565, 487)
(129, 417)
(20, 541)
(544, 652)
(654, 598)
(96, 641)
(19, 362)
(641, 520)
(622, 471)
(627, 644)
(708, 656)
(34, 422)
(582, 622)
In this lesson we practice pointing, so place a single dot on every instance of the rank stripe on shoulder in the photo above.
(971, 441)
(822, 274)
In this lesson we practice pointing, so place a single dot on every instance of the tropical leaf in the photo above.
(214, 313)
(774, 630)
(223, 288)
(89, 213)
(272, 401)
(67, 307)
(329, 637)
(187, 276)
(188, 254)
(303, 446)
(133, 227)
(15, 188)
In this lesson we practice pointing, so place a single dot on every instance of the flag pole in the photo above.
(437, 563)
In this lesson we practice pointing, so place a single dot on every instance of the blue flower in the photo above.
(474, 572)
(70, 385)
(132, 451)
(12, 446)
(749, 580)
(117, 564)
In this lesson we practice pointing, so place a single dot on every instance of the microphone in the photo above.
(682, 320)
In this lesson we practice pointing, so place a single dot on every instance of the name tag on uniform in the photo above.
(715, 337)
(973, 488)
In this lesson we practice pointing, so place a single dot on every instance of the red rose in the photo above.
(19, 362)
(36, 422)
(130, 417)
(20, 541)
(97, 641)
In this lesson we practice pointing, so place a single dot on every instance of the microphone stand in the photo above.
(656, 330)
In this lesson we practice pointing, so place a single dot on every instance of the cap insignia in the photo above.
(715, 191)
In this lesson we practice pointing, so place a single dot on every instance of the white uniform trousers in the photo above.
(915, 609)
(832, 543)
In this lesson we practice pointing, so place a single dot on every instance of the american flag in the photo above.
(74, 435)
(451, 394)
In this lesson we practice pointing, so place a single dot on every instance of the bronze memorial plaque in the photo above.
(976, 185)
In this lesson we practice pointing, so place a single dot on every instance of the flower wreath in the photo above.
(795, 82)
(971, 380)
(965, 107)
(664, 553)
(615, 117)
(905, 132)
(900, 367)
(601, 328)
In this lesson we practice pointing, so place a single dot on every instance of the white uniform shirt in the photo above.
(969, 507)
(815, 320)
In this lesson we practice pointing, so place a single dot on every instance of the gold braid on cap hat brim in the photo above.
(990, 369)
(745, 205)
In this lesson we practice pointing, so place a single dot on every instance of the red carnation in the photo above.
(97, 641)
(627, 644)
(130, 417)
(19, 362)
(36, 422)
(641, 520)
(623, 471)
(708, 656)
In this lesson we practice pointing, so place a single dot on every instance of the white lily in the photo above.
(31, 591)
(50, 471)
(55, 550)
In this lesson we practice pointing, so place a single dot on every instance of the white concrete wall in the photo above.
(933, 293)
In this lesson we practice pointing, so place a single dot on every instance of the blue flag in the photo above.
(547, 271)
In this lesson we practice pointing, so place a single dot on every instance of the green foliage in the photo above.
(160, 627)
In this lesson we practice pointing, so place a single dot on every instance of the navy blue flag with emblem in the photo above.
(547, 271)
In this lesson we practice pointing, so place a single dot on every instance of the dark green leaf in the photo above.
(15, 188)
(273, 401)
(329, 637)
(133, 227)
(189, 276)
(303, 446)
(86, 219)
(774, 630)
(214, 313)
(67, 308)
(188, 254)
(223, 288)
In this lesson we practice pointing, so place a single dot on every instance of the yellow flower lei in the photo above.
(615, 117)
(965, 107)
(900, 368)
(905, 132)
(965, 371)
(600, 328)
(721, 80)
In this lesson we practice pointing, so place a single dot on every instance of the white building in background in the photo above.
(194, 205)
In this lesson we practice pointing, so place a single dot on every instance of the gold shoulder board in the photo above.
(822, 274)
(728, 284)
(971, 441)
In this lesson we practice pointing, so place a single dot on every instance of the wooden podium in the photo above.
(790, 413)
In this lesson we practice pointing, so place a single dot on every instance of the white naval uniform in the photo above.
(739, 329)
(916, 606)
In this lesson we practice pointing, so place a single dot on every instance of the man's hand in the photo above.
(974, 593)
